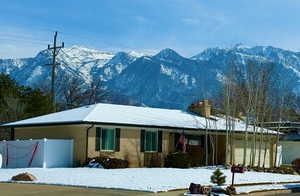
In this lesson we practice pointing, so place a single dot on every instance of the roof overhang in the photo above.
(118, 125)
(95, 123)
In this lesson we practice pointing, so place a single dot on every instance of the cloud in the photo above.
(191, 21)
(141, 19)
(185, 25)
(18, 42)
(18, 50)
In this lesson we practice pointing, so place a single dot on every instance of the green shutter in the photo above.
(148, 141)
(176, 140)
(142, 141)
(118, 134)
(160, 140)
(98, 138)
(154, 143)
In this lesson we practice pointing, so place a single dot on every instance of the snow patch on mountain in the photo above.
(165, 70)
(165, 79)
(80, 53)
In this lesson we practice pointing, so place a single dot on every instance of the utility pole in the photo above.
(55, 50)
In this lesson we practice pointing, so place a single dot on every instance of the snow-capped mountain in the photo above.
(165, 79)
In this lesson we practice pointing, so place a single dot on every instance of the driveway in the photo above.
(13, 189)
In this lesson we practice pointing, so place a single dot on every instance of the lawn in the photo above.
(141, 179)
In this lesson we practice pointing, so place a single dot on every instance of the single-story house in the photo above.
(141, 134)
(290, 141)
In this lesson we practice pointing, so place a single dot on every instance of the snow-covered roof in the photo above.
(132, 116)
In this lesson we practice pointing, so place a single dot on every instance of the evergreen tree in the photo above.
(19, 102)
(218, 177)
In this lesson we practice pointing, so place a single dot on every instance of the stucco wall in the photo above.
(129, 146)
(129, 143)
(78, 133)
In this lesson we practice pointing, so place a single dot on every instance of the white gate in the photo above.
(43, 153)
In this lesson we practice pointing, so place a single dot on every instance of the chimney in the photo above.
(240, 115)
(201, 107)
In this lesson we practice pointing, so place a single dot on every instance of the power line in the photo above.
(55, 50)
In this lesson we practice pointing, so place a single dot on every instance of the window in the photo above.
(194, 140)
(107, 139)
(151, 138)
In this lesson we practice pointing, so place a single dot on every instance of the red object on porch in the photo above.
(182, 143)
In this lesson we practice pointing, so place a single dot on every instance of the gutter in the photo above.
(95, 123)
(87, 142)
(116, 124)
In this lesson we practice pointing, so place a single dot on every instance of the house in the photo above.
(141, 134)
(289, 140)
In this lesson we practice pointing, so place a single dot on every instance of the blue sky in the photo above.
(188, 26)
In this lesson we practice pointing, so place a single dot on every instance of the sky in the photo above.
(187, 26)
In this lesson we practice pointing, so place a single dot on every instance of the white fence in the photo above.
(44, 153)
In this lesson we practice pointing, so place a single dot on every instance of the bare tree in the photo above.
(75, 92)
(247, 90)
(72, 92)
(96, 92)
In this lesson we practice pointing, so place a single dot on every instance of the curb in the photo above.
(258, 192)
(270, 192)
(246, 184)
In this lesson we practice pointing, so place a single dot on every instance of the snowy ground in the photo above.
(248, 189)
(143, 179)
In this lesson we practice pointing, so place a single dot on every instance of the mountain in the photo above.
(165, 79)
(287, 63)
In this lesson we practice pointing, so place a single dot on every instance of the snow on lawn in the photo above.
(248, 189)
(142, 179)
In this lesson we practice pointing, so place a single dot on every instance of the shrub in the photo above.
(230, 190)
(287, 169)
(283, 169)
(111, 163)
(178, 160)
(218, 177)
(296, 164)
(155, 161)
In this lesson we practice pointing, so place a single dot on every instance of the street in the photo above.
(14, 189)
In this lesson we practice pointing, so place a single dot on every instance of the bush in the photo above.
(230, 190)
(296, 164)
(178, 160)
(111, 163)
(283, 169)
(287, 169)
(218, 177)
(155, 161)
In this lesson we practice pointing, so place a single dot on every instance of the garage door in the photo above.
(239, 153)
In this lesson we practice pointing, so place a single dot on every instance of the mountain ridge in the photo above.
(166, 79)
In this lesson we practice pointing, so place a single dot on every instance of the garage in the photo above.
(239, 153)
